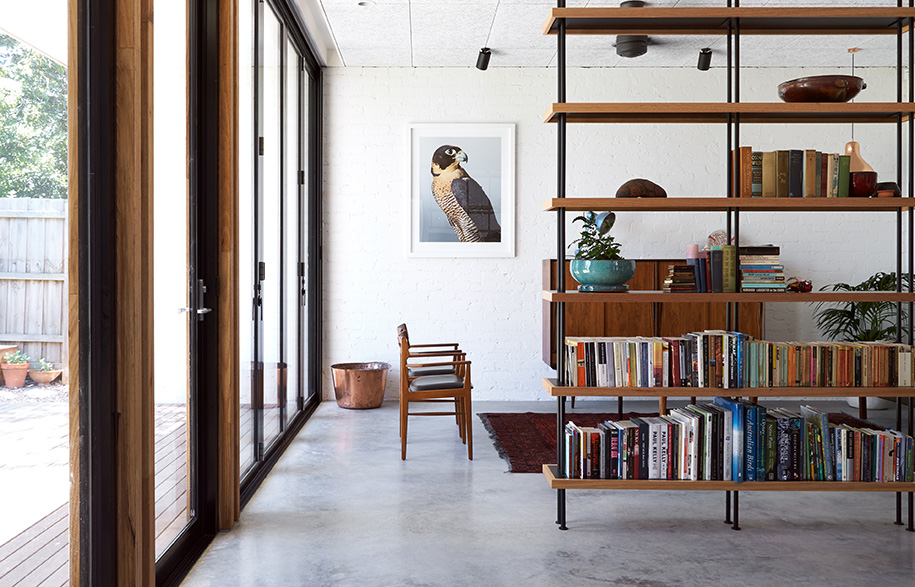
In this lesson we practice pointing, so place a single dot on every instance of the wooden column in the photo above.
(229, 502)
(134, 284)
(73, 283)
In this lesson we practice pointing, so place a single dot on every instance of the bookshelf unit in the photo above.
(733, 22)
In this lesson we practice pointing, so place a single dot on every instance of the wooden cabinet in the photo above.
(668, 318)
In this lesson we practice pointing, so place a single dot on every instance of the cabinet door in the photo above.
(676, 318)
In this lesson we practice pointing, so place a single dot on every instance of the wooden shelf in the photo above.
(714, 21)
(717, 112)
(722, 204)
(556, 482)
(641, 297)
(555, 390)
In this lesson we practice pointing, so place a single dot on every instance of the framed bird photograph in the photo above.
(462, 190)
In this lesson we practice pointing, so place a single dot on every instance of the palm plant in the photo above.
(857, 321)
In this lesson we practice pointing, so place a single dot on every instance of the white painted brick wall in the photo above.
(493, 306)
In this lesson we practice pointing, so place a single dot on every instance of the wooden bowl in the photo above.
(821, 88)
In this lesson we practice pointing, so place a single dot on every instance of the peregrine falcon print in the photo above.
(461, 198)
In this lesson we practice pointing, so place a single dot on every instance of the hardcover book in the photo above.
(810, 173)
(781, 171)
(756, 174)
(769, 175)
(795, 173)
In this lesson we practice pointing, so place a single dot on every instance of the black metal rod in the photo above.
(727, 507)
(560, 265)
(911, 225)
(899, 80)
(736, 525)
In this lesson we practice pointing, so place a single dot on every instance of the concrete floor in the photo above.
(341, 508)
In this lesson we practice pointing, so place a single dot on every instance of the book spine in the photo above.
(810, 173)
(716, 257)
(729, 268)
(781, 174)
(751, 438)
(756, 173)
(818, 191)
(844, 161)
(772, 451)
(825, 169)
(795, 174)
(769, 175)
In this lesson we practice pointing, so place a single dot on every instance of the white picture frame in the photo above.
(488, 153)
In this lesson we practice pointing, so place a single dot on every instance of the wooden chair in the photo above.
(454, 385)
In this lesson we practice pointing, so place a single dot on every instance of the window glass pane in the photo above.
(246, 140)
(271, 225)
(171, 254)
(291, 231)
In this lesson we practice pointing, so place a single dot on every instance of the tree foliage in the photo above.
(33, 123)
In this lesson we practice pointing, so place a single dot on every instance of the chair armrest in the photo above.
(454, 344)
(445, 364)
(436, 354)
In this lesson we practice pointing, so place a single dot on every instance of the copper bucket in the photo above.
(359, 386)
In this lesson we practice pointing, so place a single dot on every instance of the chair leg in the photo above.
(468, 423)
(461, 418)
(404, 409)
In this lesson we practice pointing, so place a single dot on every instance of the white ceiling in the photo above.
(450, 33)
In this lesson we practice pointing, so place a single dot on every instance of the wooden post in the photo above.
(229, 501)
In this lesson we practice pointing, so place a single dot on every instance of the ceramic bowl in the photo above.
(821, 88)
(861, 184)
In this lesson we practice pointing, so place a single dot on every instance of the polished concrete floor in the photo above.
(341, 508)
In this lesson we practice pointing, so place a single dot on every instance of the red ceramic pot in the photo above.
(861, 184)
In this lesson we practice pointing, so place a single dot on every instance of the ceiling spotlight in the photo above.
(705, 59)
(483, 58)
(631, 45)
(365, 3)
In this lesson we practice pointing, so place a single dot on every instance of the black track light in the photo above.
(483, 58)
(705, 59)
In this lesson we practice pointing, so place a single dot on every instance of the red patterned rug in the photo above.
(528, 440)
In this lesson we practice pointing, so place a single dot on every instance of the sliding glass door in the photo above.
(276, 194)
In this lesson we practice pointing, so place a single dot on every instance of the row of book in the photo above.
(733, 440)
(733, 360)
(791, 173)
(759, 270)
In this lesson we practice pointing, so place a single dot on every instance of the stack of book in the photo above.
(761, 270)
(735, 440)
(791, 173)
(682, 278)
(733, 360)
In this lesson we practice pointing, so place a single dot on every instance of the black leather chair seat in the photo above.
(425, 371)
(436, 382)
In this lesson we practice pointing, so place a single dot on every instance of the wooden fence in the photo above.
(33, 277)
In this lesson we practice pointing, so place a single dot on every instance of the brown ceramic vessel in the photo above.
(821, 88)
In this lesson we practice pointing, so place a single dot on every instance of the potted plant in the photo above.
(598, 265)
(15, 366)
(857, 321)
(861, 321)
(44, 373)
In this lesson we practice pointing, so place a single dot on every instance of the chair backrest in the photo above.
(402, 331)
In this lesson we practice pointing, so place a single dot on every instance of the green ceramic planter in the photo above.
(602, 275)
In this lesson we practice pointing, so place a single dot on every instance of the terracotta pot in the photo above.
(44, 377)
(14, 374)
(821, 88)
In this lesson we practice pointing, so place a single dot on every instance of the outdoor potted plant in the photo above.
(861, 321)
(44, 373)
(14, 367)
(598, 265)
